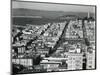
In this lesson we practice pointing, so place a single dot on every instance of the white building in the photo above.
(75, 61)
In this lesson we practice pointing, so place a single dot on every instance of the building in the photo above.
(50, 65)
(23, 61)
(90, 59)
(75, 61)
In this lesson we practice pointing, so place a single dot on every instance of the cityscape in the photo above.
(41, 44)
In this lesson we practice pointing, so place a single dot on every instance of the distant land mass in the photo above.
(47, 14)
(24, 16)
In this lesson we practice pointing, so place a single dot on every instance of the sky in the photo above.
(53, 7)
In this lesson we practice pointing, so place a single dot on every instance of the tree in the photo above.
(87, 42)
(36, 60)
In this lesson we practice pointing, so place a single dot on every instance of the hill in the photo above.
(46, 14)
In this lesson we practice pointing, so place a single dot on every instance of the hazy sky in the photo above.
(53, 7)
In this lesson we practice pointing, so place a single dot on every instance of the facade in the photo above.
(75, 61)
